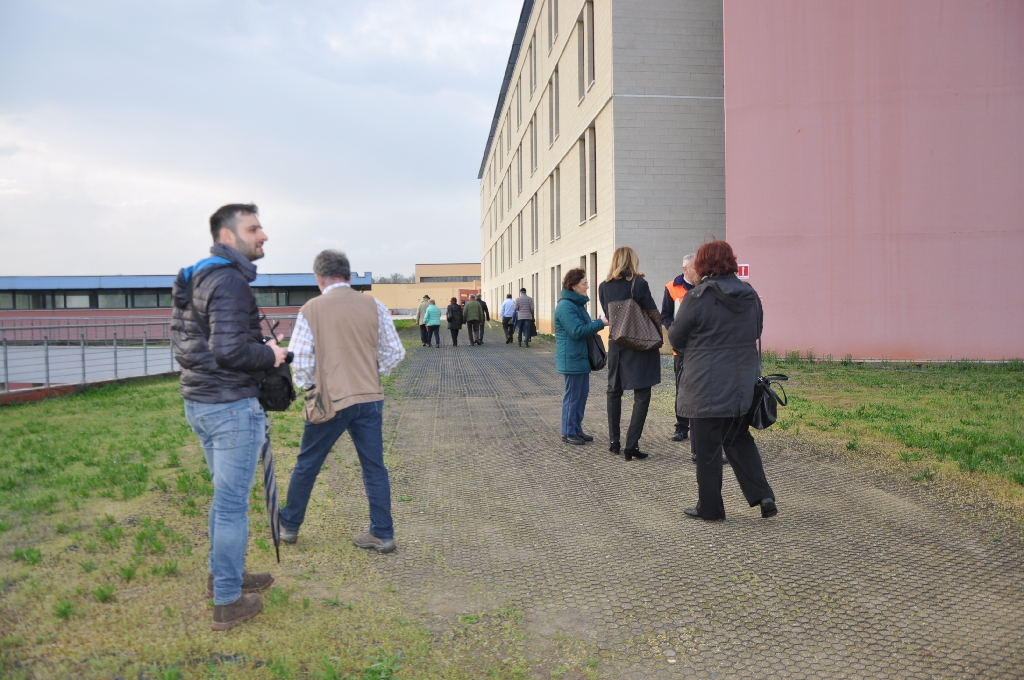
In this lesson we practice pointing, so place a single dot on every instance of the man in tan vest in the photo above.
(343, 342)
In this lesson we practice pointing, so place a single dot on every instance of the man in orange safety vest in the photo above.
(675, 290)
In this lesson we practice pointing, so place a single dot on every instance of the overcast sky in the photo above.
(353, 125)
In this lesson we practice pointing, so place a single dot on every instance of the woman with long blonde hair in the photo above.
(628, 369)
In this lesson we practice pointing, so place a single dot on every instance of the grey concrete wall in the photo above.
(669, 129)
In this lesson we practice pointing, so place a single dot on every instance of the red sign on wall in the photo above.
(743, 271)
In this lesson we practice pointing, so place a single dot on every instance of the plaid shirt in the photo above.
(390, 351)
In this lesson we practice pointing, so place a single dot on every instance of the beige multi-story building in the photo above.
(608, 132)
(438, 281)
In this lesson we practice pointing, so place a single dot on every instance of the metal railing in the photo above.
(33, 355)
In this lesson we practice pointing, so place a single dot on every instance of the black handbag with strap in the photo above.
(764, 409)
(596, 352)
(632, 326)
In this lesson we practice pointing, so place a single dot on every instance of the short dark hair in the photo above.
(226, 217)
(522, 290)
(572, 278)
(332, 264)
(454, 301)
(509, 296)
(715, 259)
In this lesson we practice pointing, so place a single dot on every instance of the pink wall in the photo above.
(875, 173)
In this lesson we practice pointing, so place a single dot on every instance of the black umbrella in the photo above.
(270, 492)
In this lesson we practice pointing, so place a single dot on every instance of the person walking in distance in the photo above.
(419, 319)
(343, 342)
(454, 318)
(573, 328)
(716, 331)
(628, 369)
(524, 310)
(215, 329)
(508, 308)
(432, 320)
(474, 315)
(675, 290)
(487, 317)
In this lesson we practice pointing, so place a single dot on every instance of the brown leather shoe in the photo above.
(227, 616)
(251, 583)
(368, 540)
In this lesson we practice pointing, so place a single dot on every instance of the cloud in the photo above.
(354, 125)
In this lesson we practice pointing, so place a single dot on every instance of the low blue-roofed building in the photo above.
(28, 293)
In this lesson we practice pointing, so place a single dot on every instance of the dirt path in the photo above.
(852, 579)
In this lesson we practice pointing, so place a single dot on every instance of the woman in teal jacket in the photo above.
(572, 356)
(432, 320)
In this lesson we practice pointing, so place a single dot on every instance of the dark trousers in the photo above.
(364, 423)
(423, 334)
(455, 336)
(474, 331)
(710, 436)
(525, 326)
(574, 403)
(434, 332)
(682, 424)
(508, 328)
(641, 402)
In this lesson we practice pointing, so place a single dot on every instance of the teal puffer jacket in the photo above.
(432, 316)
(572, 328)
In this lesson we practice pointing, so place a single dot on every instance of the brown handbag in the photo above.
(632, 326)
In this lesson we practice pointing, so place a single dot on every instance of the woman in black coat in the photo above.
(716, 331)
(455, 321)
(628, 369)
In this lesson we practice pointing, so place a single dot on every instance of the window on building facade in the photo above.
(501, 247)
(535, 223)
(533, 145)
(552, 23)
(519, 170)
(555, 204)
(593, 277)
(588, 11)
(582, 145)
(508, 243)
(532, 60)
(581, 59)
(519, 102)
(519, 238)
(508, 190)
(592, 168)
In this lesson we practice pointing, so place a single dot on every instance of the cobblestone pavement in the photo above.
(852, 579)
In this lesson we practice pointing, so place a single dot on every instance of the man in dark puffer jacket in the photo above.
(218, 342)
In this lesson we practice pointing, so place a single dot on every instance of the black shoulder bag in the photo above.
(277, 392)
(764, 409)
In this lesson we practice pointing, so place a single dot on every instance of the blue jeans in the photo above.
(364, 423)
(434, 332)
(574, 403)
(231, 435)
(525, 326)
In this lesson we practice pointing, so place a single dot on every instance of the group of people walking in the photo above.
(473, 314)
(714, 320)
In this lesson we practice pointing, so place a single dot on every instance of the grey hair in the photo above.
(332, 264)
(689, 258)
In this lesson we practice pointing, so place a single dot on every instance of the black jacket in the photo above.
(230, 365)
(629, 369)
(487, 312)
(454, 317)
(716, 331)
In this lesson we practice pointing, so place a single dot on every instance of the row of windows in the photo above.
(587, 263)
(586, 78)
(448, 279)
(137, 299)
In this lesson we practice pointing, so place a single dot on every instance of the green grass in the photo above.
(78, 529)
(964, 413)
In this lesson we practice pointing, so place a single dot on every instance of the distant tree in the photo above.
(395, 278)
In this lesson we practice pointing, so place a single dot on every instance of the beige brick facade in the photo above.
(638, 159)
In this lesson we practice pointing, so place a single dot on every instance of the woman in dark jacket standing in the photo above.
(454, 321)
(628, 369)
(573, 328)
(716, 331)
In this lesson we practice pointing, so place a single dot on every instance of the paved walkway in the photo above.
(850, 580)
